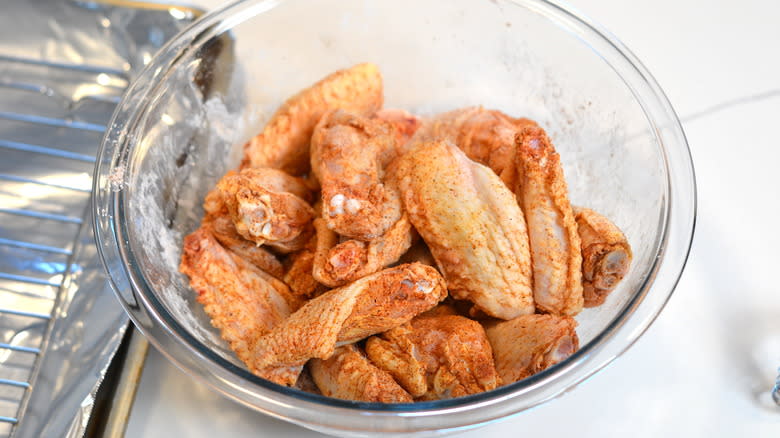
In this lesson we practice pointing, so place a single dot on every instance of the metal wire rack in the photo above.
(48, 144)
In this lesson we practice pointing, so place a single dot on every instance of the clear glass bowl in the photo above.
(181, 125)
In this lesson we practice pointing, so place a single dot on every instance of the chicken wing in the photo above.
(486, 136)
(349, 375)
(531, 343)
(264, 214)
(284, 142)
(349, 154)
(606, 255)
(370, 305)
(243, 301)
(352, 259)
(221, 227)
(552, 231)
(218, 222)
(472, 225)
(436, 357)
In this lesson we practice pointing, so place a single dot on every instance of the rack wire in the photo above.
(47, 146)
(63, 69)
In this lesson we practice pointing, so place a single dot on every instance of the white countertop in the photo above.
(719, 64)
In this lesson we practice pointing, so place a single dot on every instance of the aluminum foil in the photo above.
(63, 67)
(86, 331)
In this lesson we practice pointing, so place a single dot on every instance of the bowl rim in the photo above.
(167, 334)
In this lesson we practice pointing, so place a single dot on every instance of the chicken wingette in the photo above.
(473, 226)
(552, 231)
(370, 305)
(349, 155)
(242, 301)
(218, 222)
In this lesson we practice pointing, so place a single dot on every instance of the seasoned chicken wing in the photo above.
(486, 136)
(243, 301)
(265, 208)
(349, 154)
(218, 222)
(349, 375)
(223, 230)
(552, 231)
(338, 261)
(436, 357)
(531, 343)
(472, 225)
(352, 259)
(606, 255)
(370, 305)
(284, 142)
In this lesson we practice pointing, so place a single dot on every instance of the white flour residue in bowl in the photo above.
(189, 146)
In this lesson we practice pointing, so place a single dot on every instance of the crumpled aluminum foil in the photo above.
(63, 67)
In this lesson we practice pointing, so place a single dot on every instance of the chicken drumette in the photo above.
(349, 375)
(436, 356)
(531, 343)
(606, 255)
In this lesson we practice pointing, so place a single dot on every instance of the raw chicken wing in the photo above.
(348, 375)
(352, 259)
(349, 154)
(552, 231)
(606, 255)
(472, 225)
(373, 304)
(218, 222)
(265, 211)
(243, 302)
(284, 142)
(531, 343)
(436, 357)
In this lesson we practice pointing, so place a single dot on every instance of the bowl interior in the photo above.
(435, 56)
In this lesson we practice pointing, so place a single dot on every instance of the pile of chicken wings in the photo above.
(369, 254)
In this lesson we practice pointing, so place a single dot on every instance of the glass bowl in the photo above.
(181, 125)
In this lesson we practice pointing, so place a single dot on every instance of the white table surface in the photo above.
(719, 63)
